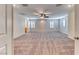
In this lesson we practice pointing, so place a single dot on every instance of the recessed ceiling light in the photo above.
(14, 5)
(69, 5)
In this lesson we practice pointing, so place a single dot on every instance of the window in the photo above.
(29, 24)
(32, 24)
(51, 24)
(63, 22)
(26, 23)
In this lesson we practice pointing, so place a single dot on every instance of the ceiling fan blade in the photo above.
(47, 13)
(37, 14)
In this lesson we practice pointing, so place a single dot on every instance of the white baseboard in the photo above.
(71, 37)
(18, 36)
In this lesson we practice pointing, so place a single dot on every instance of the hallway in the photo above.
(43, 43)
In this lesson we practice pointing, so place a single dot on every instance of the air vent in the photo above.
(58, 5)
(24, 5)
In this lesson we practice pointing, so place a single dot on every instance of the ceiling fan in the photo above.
(42, 13)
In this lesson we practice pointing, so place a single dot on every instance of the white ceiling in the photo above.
(29, 10)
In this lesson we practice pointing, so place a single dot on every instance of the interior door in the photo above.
(5, 29)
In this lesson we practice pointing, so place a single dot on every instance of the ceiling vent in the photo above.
(58, 5)
(25, 5)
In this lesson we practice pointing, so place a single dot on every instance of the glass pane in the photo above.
(51, 24)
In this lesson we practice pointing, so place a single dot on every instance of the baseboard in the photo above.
(63, 32)
(18, 36)
(71, 37)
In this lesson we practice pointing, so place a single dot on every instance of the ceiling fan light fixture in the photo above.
(42, 21)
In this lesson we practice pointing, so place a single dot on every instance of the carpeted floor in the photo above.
(46, 43)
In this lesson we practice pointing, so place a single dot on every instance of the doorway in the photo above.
(47, 30)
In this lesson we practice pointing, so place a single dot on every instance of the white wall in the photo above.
(63, 29)
(9, 29)
(18, 27)
(71, 23)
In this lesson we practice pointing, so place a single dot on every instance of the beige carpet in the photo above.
(46, 43)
